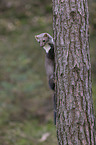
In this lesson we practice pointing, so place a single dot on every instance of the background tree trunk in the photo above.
(75, 119)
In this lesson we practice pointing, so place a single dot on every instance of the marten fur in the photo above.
(46, 41)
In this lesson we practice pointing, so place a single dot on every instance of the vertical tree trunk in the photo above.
(75, 119)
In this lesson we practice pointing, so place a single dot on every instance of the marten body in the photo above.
(46, 41)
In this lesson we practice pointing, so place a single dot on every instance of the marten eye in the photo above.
(43, 40)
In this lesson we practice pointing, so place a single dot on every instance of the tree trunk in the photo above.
(75, 117)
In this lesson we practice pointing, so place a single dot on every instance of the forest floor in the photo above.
(26, 104)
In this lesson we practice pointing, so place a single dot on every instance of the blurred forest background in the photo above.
(26, 105)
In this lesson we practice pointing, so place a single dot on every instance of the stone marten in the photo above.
(46, 41)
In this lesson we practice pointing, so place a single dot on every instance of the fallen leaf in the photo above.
(44, 137)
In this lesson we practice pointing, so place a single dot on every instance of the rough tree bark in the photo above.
(75, 118)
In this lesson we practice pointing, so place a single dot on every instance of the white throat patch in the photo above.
(47, 48)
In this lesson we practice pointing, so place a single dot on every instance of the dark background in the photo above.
(26, 105)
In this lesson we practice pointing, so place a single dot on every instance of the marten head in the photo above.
(43, 39)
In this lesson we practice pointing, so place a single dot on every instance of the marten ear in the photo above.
(36, 37)
(46, 35)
